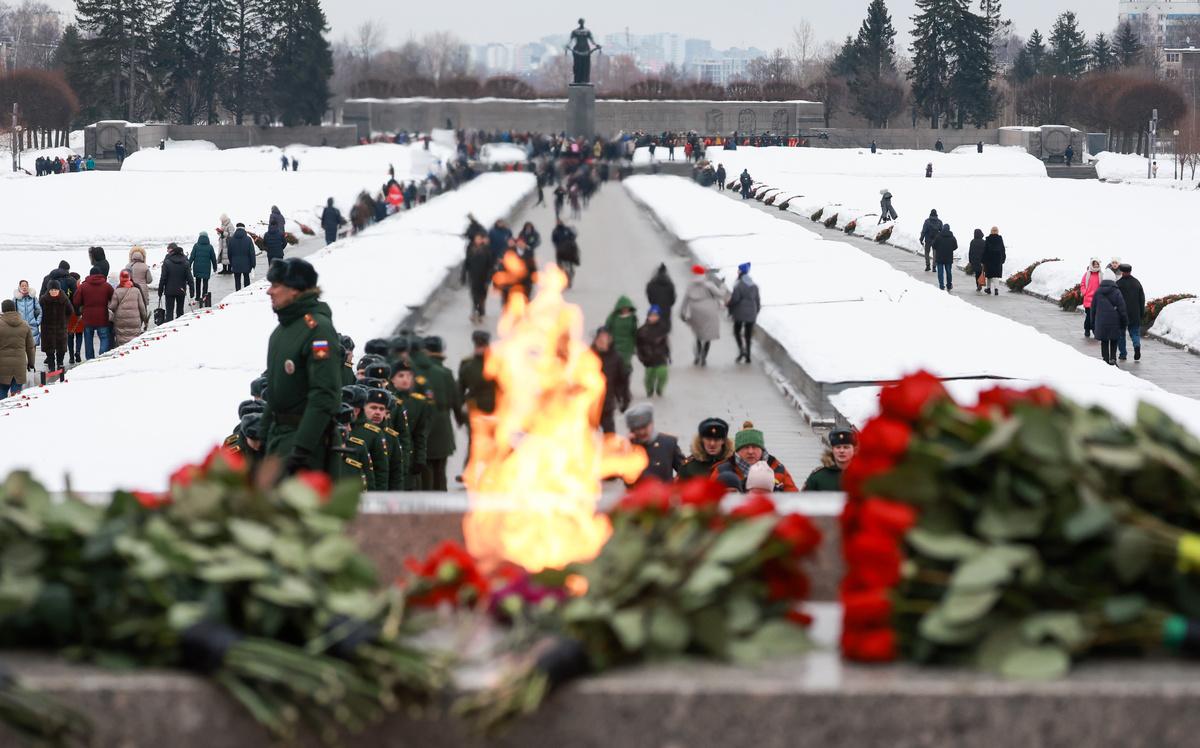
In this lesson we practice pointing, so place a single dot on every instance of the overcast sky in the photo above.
(765, 23)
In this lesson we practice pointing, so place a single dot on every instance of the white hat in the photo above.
(760, 477)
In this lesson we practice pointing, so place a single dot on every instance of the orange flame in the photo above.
(538, 460)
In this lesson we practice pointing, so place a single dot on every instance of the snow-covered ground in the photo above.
(503, 153)
(846, 317)
(172, 195)
(1040, 218)
(126, 420)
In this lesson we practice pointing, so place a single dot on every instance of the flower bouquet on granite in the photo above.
(255, 586)
(1019, 280)
(1019, 534)
(679, 576)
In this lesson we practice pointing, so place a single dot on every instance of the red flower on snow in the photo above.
(908, 398)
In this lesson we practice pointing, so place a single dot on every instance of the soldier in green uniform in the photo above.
(377, 409)
(442, 391)
(347, 344)
(247, 439)
(419, 419)
(352, 460)
(828, 477)
(475, 392)
(365, 434)
(303, 370)
(710, 447)
(257, 388)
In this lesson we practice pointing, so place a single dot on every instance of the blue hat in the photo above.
(654, 309)
(744, 268)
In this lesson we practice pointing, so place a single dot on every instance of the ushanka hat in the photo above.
(293, 272)
(639, 416)
(714, 428)
(842, 437)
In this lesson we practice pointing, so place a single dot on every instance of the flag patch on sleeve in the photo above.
(320, 349)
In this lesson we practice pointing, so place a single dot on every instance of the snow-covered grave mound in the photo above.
(1040, 218)
(845, 317)
(503, 153)
(127, 419)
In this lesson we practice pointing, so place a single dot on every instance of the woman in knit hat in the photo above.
(711, 445)
(701, 310)
(749, 449)
(744, 305)
(828, 477)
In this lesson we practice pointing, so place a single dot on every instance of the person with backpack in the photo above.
(654, 351)
(275, 242)
(975, 260)
(929, 232)
(744, 304)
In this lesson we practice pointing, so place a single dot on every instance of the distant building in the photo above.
(1168, 23)
(1181, 63)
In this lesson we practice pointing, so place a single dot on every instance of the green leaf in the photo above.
(361, 605)
(774, 639)
(1063, 627)
(22, 557)
(290, 553)
(331, 552)
(343, 500)
(659, 574)
(935, 627)
(1089, 522)
(1122, 459)
(80, 517)
(942, 546)
(669, 631)
(743, 613)
(741, 540)
(1041, 436)
(181, 616)
(995, 647)
(1035, 663)
(253, 536)
(1132, 555)
(1124, 609)
(244, 569)
(17, 594)
(710, 630)
(966, 606)
(1010, 523)
(705, 580)
(290, 591)
(982, 572)
(629, 624)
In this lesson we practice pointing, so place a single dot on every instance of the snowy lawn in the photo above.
(1040, 218)
(173, 195)
(138, 413)
(845, 317)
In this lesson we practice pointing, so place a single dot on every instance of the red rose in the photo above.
(908, 398)
(756, 506)
(865, 609)
(649, 494)
(861, 469)
(702, 492)
(887, 516)
(875, 645)
(785, 583)
(183, 477)
(873, 558)
(799, 617)
(445, 575)
(226, 457)
(152, 500)
(885, 437)
(800, 534)
(318, 481)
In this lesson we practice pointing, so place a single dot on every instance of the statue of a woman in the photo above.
(581, 50)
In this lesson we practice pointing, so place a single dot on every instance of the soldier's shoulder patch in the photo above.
(354, 463)
(231, 440)
(421, 380)
(372, 428)
(311, 321)
(320, 349)
(235, 449)
(356, 440)
(391, 431)
(418, 396)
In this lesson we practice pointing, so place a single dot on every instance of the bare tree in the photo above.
(368, 37)
(34, 29)
(445, 55)
(803, 49)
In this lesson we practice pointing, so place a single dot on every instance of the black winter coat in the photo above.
(654, 344)
(930, 229)
(533, 239)
(65, 282)
(993, 255)
(566, 248)
(331, 218)
(616, 380)
(240, 251)
(1135, 298)
(175, 277)
(275, 244)
(477, 267)
(975, 252)
(1111, 315)
(664, 458)
(943, 247)
(660, 292)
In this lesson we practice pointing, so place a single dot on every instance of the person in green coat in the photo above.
(203, 260)
(376, 411)
(623, 324)
(352, 460)
(710, 447)
(304, 377)
(442, 392)
(419, 415)
(828, 477)
(348, 375)
(366, 434)
(476, 393)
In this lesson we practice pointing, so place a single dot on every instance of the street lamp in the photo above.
(1178, 171)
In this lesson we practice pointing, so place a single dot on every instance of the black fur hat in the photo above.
(293, 272)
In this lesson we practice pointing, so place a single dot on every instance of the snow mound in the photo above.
(502, 153)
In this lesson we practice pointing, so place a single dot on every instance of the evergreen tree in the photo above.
(974, 66)
(1068, 47)
(845, 62)
(300, 60)
(72, 61)
(176, 58)
(1127, 45)
(212, 54)
(1102, 55)
(931, 64)
(1022, 70)
(116, 40)
(875, 47)
(248, 55)
(1036, 49)
(998, 26)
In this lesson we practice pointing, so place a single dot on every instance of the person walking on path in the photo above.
(749, 449)
(275, 243)
(721, 176)
(74, 322)
(886, 211)
(1069, 154)
(241, 257)
(127, 310)
(560, 197)
(532, 238)
(566, 249)
(139, 272)
(660, 292)
(17, 351)
(701, 310)
(98, 260)
(654, 351)
(975, 261)
(1111, 318)
(994, 258)
(331, 221)
(29, 309)
(224, 235)
(476, 274)
(56, 315)
(616, 380)
(929, 232)
(304, 378)
(710, 446)
(1135, 307)
(828, 477)
(92, 302)
(622, 324)
(1087, 289)
(175, 281)
(276, 220)
(203, 261)
(662, 450)
(744, 305)
(62, 274)
(943, 256)
(746, 181)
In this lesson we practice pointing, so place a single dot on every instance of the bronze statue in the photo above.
(582, 50)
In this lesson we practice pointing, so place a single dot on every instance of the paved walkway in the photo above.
(621, 249)
(1171, 368)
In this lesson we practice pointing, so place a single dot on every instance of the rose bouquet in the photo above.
(1019, 280)
(1070, 299)
(1154, 307)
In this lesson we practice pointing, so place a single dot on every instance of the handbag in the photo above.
(160, 314)
(981, 279)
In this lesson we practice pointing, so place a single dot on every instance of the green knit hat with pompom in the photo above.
(749, 437)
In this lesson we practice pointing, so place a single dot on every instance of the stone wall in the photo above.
(100, 138)
(919, 138)
(612, 116)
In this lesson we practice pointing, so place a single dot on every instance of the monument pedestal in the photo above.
(581, 110)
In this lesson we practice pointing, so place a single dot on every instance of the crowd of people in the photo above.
(47, 165)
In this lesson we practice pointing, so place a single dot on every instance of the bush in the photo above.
(817, 216)
(831, 221)
(1071, 299)
(851, 226)
(884, 235)
(784, 205)
(1154, 307)
(1019, 280)
(771, 200)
